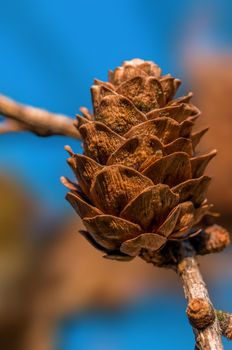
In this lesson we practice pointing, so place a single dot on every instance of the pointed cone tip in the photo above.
(69, 150)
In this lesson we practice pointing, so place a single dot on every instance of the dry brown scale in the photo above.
(141, 184)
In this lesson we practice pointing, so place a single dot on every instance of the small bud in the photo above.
(200, 313)
(211, 240)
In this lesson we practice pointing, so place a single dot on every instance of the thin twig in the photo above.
(39, 121)
(225, 321)
(208, 338)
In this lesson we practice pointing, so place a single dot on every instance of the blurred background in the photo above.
(56, 292)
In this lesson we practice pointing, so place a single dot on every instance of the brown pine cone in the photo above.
(140, 183)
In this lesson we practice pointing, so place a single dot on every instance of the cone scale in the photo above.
(140, 181)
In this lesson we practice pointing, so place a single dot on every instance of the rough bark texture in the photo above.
(36, 120)
(194, 287)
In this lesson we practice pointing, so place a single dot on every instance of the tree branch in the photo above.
(208, 334)
(39, 121)
(181, 257)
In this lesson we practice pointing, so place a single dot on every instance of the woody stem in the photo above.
(208, 337)
(20, 117)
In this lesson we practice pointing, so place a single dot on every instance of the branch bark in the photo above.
(39, 121)
(208, 338)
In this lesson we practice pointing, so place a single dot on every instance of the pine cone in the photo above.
(140, 183)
